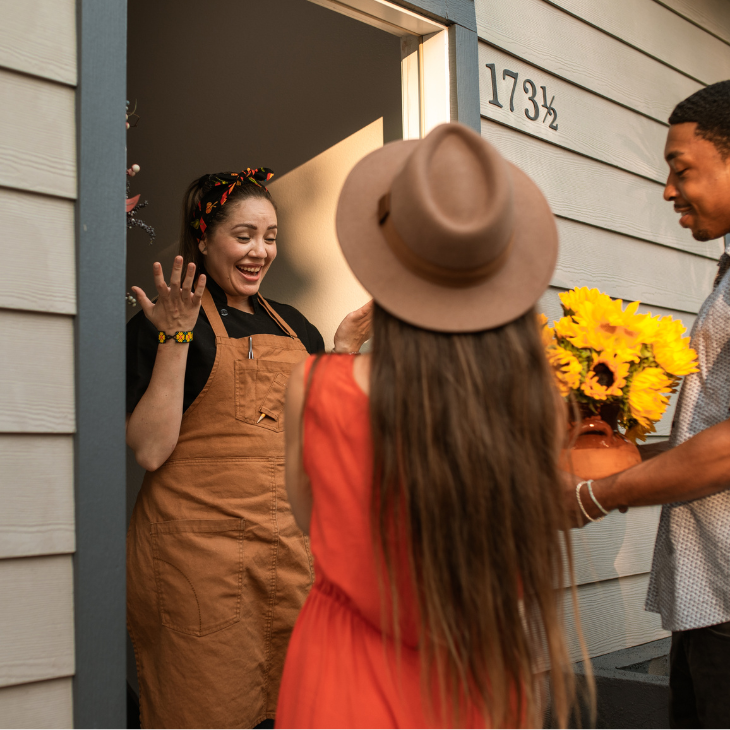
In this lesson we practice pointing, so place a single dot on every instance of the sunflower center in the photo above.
(604, 375)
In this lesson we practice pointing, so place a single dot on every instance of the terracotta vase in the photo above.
(598, 450)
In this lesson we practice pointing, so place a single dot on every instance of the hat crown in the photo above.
(452, 202)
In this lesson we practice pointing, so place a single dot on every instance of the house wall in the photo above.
(616, 70)
(37, 306)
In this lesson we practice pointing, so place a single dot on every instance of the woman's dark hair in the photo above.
(467, 508)
(196, 191)
(710, 109)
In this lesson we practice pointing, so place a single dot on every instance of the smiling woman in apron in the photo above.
(217, 570)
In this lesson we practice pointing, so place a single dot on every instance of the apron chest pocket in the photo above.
(199, 573)
(260, 390)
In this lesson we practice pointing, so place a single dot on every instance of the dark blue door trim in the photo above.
(99, 575)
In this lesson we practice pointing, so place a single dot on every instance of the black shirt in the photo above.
(142, 342)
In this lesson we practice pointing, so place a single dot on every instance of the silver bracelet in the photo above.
(580, 503)
(593, 497)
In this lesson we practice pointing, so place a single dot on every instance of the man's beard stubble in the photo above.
(702, 235)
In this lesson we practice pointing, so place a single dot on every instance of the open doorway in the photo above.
(305, 88)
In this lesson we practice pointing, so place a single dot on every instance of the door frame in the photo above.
(99, 684)
(439, 52)
(446, 70)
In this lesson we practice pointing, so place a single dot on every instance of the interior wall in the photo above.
(229, 84)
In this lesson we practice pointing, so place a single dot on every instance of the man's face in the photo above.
(698, 182)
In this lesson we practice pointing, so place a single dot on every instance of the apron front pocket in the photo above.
(260, 392)
(199, 573)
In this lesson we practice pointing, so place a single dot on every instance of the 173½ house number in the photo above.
(528, 86)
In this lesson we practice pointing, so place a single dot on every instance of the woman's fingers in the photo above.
(199, 289)
(162, 288)
(355, 329)
(367, 309)
(365, 315)
(176, 276)
(143, 301)
(188, 282)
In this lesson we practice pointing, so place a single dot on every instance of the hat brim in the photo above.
(487, 304)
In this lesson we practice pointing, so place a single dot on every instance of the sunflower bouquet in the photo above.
(604, 354)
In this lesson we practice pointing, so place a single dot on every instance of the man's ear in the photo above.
(203, 246)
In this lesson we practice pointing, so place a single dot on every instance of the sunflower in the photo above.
(568, 369)
(574, 300)
(605, 327)
(604, 350)
(672, 351)
(606, 377)
(648, 395)
(547, 332)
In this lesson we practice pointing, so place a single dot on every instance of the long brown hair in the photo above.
(193, 195)
(466, 494)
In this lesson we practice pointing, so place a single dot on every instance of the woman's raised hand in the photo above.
(177, 307)
(355, 329)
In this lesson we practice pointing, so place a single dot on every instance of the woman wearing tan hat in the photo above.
(425, 472)
(216, 568)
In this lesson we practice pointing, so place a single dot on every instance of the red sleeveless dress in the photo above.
(339, 669)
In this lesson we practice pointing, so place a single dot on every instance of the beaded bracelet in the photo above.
(182, 337)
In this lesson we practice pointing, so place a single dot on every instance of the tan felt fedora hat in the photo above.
(445, 233)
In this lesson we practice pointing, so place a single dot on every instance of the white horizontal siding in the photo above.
(36, 619)
(588, 191)
(587, 123)
(37, 411)
(658, 32)
(37, 705)
(39, 37)
(36, 373)
(551, 39)
(711, 15)
(619, 546)
(36, 495)
(631, 269)
(37, 135)
(39, 253)
(612, 616)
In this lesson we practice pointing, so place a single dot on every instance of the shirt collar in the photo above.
(219, 296)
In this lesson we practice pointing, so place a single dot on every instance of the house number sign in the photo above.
(528, 86)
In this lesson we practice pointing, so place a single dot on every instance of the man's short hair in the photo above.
(710, 108)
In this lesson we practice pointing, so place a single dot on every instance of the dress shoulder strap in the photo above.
(272, 313)
(213, 316)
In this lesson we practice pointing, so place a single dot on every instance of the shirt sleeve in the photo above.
(315, 342)
(141, 354)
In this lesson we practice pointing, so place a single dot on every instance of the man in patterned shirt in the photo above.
(690, 476)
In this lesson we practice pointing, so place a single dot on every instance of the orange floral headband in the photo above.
(223, 186)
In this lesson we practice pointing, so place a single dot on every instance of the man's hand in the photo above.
(570, 499)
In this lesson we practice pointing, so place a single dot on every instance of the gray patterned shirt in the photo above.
(690, 576)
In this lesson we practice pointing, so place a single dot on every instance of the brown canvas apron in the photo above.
(217, 569)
